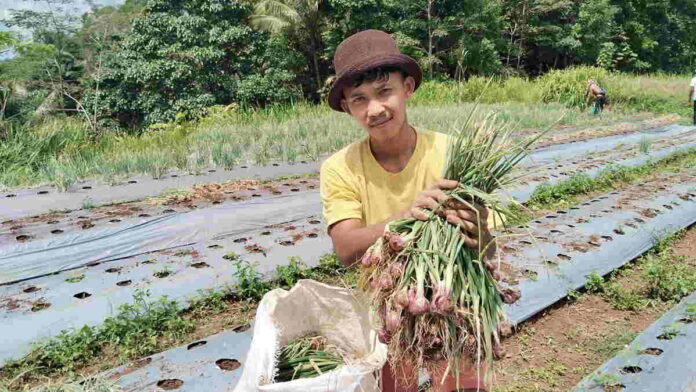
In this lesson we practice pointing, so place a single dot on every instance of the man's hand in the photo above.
(475, 228)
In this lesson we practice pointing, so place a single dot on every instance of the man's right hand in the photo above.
(431, 199)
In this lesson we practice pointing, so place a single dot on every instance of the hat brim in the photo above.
(402, 61)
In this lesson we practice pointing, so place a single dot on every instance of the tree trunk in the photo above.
(313, 48)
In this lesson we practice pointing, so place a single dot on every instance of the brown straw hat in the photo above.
(362, 52)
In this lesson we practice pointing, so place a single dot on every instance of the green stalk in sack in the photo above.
(438, 298)
(306, 357)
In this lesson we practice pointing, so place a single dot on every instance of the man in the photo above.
(692, 94)
(599, 95)
(394, 172)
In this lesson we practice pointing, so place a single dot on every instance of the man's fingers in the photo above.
(470, 242)
(419, 213)
(444, 184)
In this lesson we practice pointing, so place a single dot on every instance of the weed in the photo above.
(163, 273)
(87, 203)
(690, 312)
(289, 274)
(184, 252)
(608, 381)
(644, 145)
(573, 295)
(231, 256)
(595, 283)
(607, 346)
(75, 279)
(622, 299)
(248, 285)
(208, 302)
(669, 277)
(671, 331)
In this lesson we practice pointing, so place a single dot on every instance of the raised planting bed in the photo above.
(30, 202)
(661, 358)
(545, 260)
(60, 301)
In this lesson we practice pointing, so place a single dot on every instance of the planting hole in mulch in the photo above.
(42, 192)
(132, 182)
(554, 231)
(31, 289)
(652, 351)
(303, 181)
(240, 240)
(537, 221)
(214, 246)
(563, 256)
(666, 336)
(639, 220)
(594, 243)
(287, 243)
(168, 211)
(115, 220)
(265, 233)
(314, 222)
(561, 212)
(631, 370)
(211, 171)
(574, 208)
(124, 283)
(242, 328)
(113, 270)
(255, 248)
(613, 387)
(619, 231)
(23, 237)
(244, 167)
(11, 195)
(525, 242)
(228, 364)
(196, 344)
(92, 264)
(53, 222)
(685, 321)
(255, 195)
(174, 175)
(87, 187)
(170, 384)
(276, 165)
(216, 202)
(201, 264)
(87, 225)
(144, 215)
(571, 226)
(667, 206)
(57, 231)
(312, 235)
(607, 238)
(311, 187)
(82, 295)
(149, 261)
(37, 306)
(551, 216)
(161, 274)
(294, 189)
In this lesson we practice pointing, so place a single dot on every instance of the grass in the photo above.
(61, 151)
(147, 326)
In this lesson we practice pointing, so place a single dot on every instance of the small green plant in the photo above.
(184, 253)
(248, 285)
(595, 283)
(87, 203)
(75, 279)
(608, 382)
(690, 312)
(622, 299)
(231, 256)
(208, 302)
(573, 295)
(163, 273)
(644, 145)
(671, 331)
(669, 277)
(289, 274)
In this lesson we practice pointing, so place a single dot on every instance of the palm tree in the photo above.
(293, 17)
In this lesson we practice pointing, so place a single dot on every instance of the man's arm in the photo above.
(351, 238)
(691, 93)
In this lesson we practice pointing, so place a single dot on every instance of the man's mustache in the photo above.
(378, 121)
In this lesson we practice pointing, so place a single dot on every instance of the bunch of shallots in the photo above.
(439, 299)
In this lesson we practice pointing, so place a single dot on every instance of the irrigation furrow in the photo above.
(661, 358)
(30, 202)
(545, 260)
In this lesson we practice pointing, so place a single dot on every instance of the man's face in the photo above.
(380, 106)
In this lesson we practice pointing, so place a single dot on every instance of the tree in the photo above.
(185, 55)
(301, 20)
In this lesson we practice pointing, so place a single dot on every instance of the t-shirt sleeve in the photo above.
(693, 82)
(339, 199)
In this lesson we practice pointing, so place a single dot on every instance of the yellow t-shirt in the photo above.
(354, 185)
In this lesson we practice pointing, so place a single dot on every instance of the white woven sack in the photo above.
(338, 314)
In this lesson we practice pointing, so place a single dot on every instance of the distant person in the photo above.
(598, 94)
(692, 94)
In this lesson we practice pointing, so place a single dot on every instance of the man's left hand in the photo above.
(475, 228)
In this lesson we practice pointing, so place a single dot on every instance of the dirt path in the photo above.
(555, 350)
